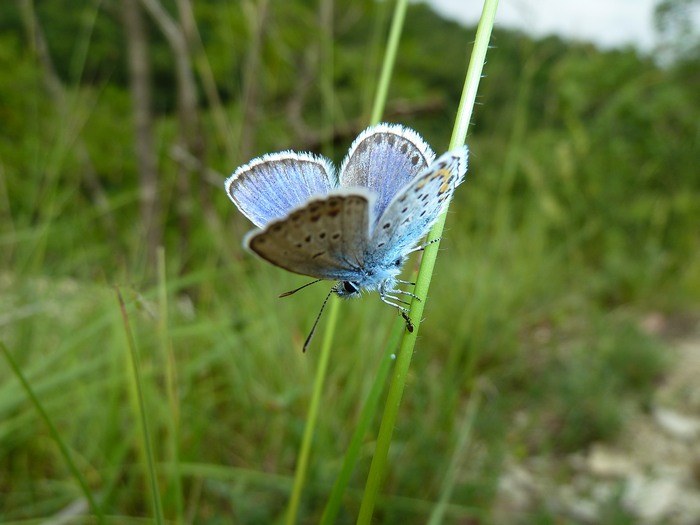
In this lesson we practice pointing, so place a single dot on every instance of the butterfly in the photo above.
(356, 226)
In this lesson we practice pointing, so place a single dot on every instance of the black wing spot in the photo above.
(315, 218)
(315, 255)
(335, 236)
(404, 148)
(307, 238)
(276, 228)
(391, 140)
(387, 225)
(404, 210)
(322, 235)
(415, 159)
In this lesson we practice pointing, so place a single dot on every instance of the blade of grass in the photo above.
(366, 417)
(398, 383)
(326, 57)
(173, 421)
(377, 110)
(448, 484)
(311, 418)
(146, 435)
(54, 434)
(389, 60)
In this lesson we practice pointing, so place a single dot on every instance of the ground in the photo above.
(649, 475)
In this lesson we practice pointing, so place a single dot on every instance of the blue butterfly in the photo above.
(356, 226)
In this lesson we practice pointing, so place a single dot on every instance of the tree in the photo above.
(678, 25)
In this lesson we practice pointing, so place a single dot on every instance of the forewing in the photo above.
(326, 238)
(411, 214)
(269, 187)
(384, 159)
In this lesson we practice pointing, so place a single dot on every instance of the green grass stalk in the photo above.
(173, 420)
(389, 61)
(398, 384)
(145, 432)
(334, 308)
(63, 448)
(448, 484)
(312, 417)
(366, 417)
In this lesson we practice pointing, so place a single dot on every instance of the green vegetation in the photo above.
(579, 215)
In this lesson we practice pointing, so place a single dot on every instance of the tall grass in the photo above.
(536, 284)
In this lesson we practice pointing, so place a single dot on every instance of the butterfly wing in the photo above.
(384, 159)
(415, 209)
(325, 238)
(269, 187)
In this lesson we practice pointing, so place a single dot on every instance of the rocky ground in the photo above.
(649, 475)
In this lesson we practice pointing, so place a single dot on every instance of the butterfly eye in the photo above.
(350, 287)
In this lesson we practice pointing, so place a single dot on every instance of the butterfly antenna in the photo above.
(287, 294)
(318, 317)
(423, 246)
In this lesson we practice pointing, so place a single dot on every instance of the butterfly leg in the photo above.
(387, 299)
(393, 300)
(404, 292)
(390, 295)
(403, 310)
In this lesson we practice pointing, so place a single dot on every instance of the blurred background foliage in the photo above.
(579, 218)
